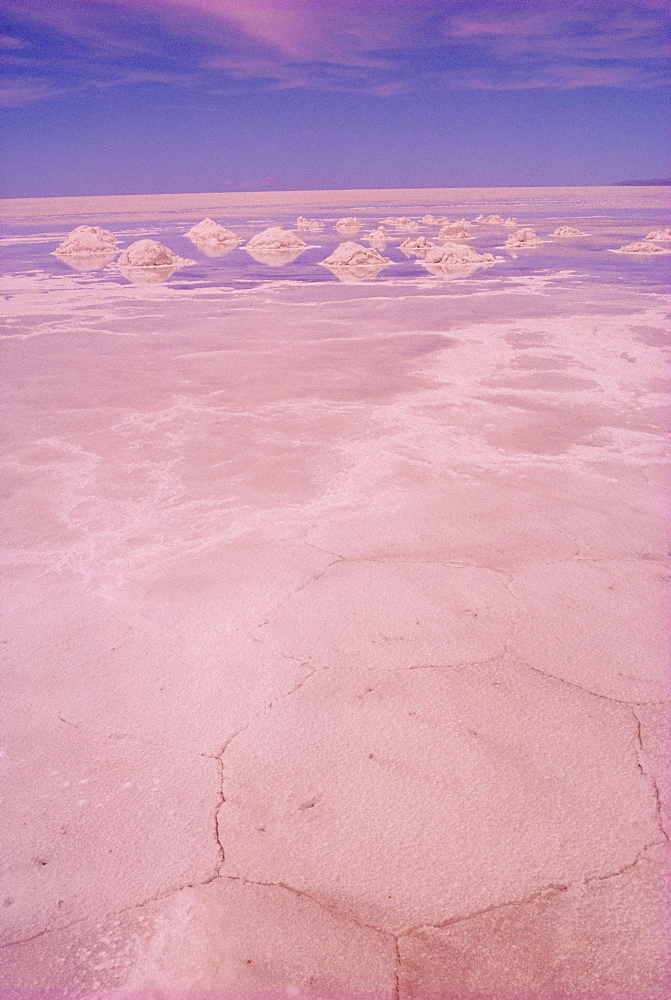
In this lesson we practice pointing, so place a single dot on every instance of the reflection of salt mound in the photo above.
(490, 220)
(275, 238)
(405, 223)
(148, 275)
(210, 233)
(567, 231)
(275, 257)
(453, 232)
(150, 253)
(349, 225)
(87, 240)
(416, 244)
(522, 238)
(87, 261)
(351, 274)
(354, 255)
(456, 255)
(660, 235)
(314, 225)
(452, 272)
(642, 248)
(215, 249)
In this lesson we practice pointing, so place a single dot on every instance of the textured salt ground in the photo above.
(348, 634)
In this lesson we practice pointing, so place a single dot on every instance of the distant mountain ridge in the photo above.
(658, 183)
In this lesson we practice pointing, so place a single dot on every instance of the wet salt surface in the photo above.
(336, 614)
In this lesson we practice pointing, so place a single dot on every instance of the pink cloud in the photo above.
(382, 47)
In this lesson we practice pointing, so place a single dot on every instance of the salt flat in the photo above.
(336, 612)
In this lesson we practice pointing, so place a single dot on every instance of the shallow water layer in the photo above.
(337, 615)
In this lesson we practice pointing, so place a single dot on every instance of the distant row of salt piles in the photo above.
(91, 246)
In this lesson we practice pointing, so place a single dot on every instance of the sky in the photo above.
(167, 96)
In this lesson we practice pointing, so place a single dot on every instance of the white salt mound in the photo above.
(311, 224)
(405, 223)
(429, 220)
(568, 231)
(354, 255)
(511, 222)
(347, 225)
(456, 255)
(377, 235)
(275, 238)
(209, 231)
(453, 232)
(660, 235)
(389, 221)
(414, 243)
(490, 220)
(522, 238)
(643, 248)
(150, 253)
(87, 239)
(442, 220)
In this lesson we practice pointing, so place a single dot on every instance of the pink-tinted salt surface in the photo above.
(336, 626)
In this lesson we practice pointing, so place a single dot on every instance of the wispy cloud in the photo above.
(382, 47)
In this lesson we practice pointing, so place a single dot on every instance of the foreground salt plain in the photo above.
(336, 623)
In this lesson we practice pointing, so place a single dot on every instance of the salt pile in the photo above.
(568, 231)
(415, 244)
(429, 220)
(511, 222)
(349, 225)
(314, 225)
(377, 235)
(389, 221)
(87, 240)
(457, 255)
(354, 255)
(275, 238)
(522, 238)
(350, 262)
(490, 220)
(453, 231)
(642, 247)
(150, 253)
(211, 233)
(442, 220)
(660, 235)
(405, 223)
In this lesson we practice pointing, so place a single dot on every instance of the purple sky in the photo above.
(123, 96)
